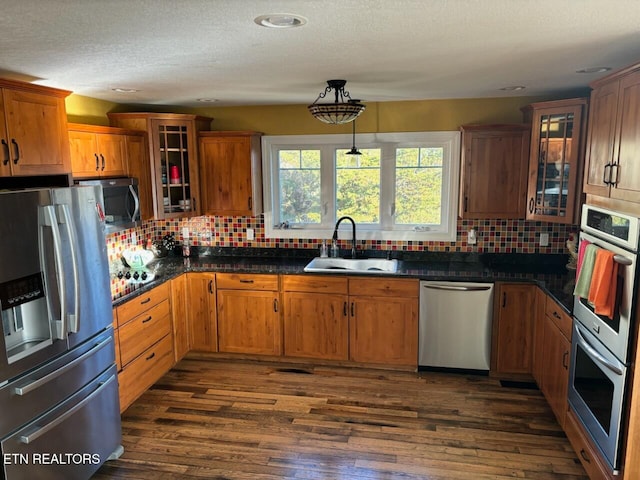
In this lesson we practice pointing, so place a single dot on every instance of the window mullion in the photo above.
(328, 185)
(387, 185)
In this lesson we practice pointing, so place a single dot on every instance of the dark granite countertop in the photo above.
(545, 270)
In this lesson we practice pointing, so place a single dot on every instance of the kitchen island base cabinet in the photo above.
(201, 312)
(249, 319)
(383, 323)
(316, 322)
(512, 338)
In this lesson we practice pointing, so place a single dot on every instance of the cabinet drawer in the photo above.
(585, 451)
(314, 284)
(143, 331)
(390, 287)
(142, 303)
(144, 371)
(562, 320)
(246, 281)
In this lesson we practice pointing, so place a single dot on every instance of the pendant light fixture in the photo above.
(354, 150)
(343, 110)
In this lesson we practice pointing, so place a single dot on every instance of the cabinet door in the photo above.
(249, 322)
(625, 176)
(316, 325)
(514, 308)
(227, 166)
(111, 152)
(179, 317)
(556, 369)
(599, 155)
(202, 312)
(138, 167)
(555, 163)
(384, 330)
(494, 172)
(538, 338)
(85, 162)
(176, 168)
(37, 133)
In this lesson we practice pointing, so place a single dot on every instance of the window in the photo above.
(403, 186)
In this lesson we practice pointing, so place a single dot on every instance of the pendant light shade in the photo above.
(343, 110)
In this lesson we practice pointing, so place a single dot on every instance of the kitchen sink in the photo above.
(352, 265)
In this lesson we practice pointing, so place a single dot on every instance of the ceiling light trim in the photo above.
(280, 20)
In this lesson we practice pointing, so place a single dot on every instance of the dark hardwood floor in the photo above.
(232, 419)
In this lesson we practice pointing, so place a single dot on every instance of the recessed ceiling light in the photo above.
(513, 88)
(593, 70)
(207, 100)
(125, 90)
(280, 20)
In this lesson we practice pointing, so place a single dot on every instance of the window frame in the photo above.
(327, 144)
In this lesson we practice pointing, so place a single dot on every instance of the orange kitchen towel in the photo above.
(602, 292)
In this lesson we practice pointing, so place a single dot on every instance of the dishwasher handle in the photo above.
(458, 288)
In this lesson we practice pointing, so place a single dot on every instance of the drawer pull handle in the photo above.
(97, 162)
(275, 305)
(103, 164)
(151, 356)
(147, 300)
(7, 155)
(148, 319)
(344, 309)
(353, 309)
(246, 281)
(210, 287)
(606, 179)
(17, 150)
(555, 314)
(584, 455)
(565, 360)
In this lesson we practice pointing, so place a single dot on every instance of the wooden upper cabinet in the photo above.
(230, 173)
(556, 160)
(613, 145)
(493, 180)
(138, 167)
(172, 171)
(33, 130)
(97, 151)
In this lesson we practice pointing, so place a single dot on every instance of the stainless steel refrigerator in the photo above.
(59, 409)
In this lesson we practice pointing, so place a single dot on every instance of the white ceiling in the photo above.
(176, 51)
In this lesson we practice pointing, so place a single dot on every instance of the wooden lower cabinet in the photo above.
(383, 323)
(557, 350)
(145, 340)
(538, 337)
(586, 451)
(316, 322)
(513, 326)
(179, 318)
(249, 319)
(201, 312)
(136, 377)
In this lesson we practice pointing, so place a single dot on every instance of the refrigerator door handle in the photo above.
(73, 318)
(49, 220)
(27, 439)
(136, 203)
(30, 387)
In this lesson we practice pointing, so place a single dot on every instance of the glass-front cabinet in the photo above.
(556, 159)
(173, 164)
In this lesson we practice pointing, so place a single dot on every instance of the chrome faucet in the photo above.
(353, 238)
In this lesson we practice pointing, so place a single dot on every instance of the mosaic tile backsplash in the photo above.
(493, 236)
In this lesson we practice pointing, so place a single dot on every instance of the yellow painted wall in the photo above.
(406, 116)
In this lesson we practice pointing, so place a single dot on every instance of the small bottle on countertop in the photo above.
(335, 252)
(324, 251)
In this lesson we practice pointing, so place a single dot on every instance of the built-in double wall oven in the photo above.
(600, 350)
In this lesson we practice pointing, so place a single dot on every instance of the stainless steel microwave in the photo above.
(120, 201)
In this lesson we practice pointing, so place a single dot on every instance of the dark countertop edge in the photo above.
(553, 278)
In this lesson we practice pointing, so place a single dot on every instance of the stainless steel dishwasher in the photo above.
(455, 325)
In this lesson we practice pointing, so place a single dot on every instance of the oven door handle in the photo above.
(594, 353)
(622, 260)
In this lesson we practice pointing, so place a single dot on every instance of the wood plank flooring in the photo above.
(233, 419)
